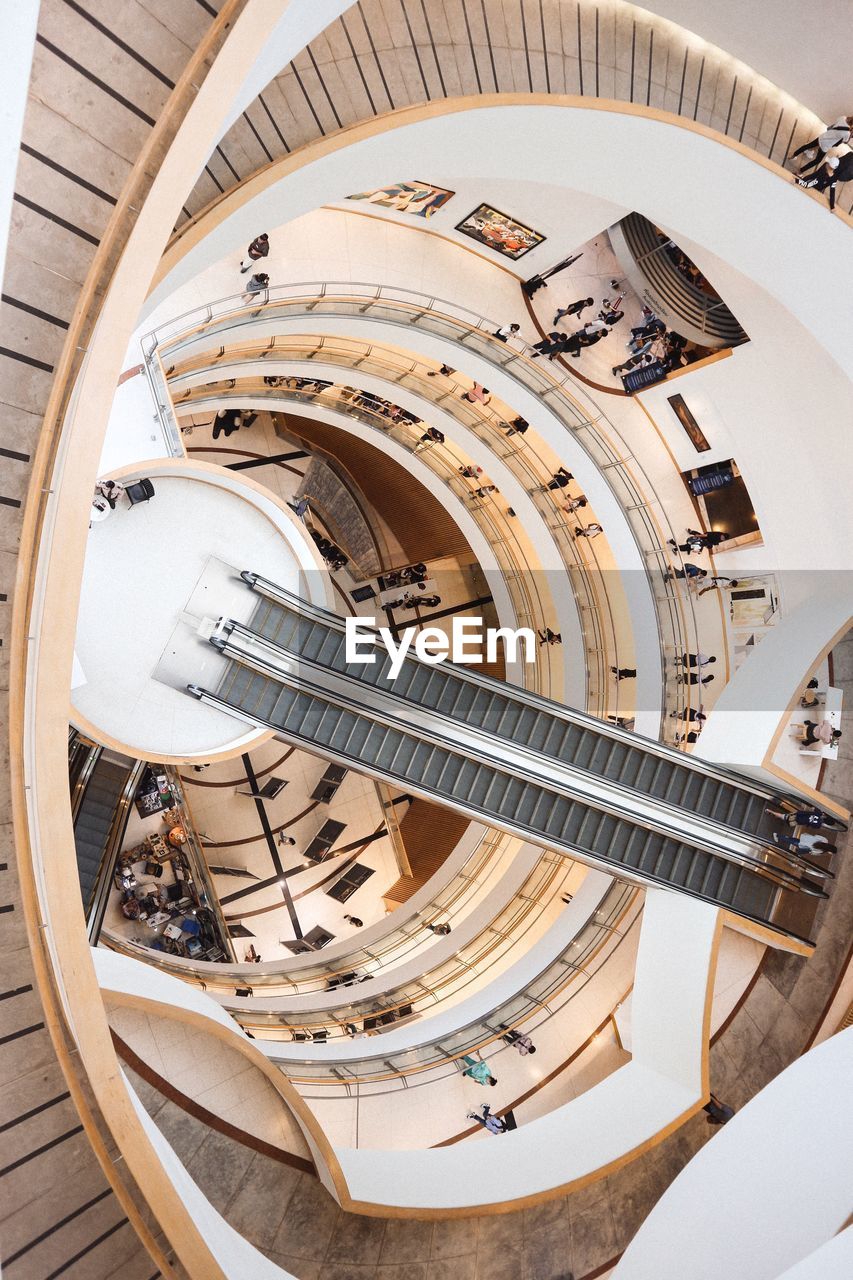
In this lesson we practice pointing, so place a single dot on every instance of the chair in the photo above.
(139, 491)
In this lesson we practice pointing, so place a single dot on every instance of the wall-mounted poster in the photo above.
(499, 232)
(419, 198)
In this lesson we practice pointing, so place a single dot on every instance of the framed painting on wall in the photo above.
(421, 199)
(500, 232)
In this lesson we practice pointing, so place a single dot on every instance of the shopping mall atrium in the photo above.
(427, 638)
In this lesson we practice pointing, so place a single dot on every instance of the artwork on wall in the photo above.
(421, 199)
(689, 423)
(499, 232)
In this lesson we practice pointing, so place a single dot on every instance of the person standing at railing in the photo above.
(258, 249)
(588, 531)
(506, 332)
(518, 426)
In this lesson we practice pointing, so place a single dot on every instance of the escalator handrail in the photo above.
(572, 715)
(590, 859)
(481, 746)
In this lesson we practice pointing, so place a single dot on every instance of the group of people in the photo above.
(475, 1068)
(695, 542)
(334, 557)
(804, 836)
(828, 159)
(651, 342)
(406, 577)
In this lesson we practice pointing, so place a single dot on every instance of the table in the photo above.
(428, 587)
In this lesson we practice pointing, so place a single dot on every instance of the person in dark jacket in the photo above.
(573, 309)
(837, 169)
(259, 248)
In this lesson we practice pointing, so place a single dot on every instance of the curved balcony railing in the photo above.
(491, 948)
(449, 901)
(495, 941)
(594, 433)
(541, 998)
(530, 604)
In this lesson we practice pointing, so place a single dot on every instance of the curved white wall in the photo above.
(771, 1187)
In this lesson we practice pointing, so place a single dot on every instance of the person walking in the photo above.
(483, 491)
(470, 472)
(258, 249)
(478, 1070)
(807, 842)
(355, 921)
(695, 659)
(523, 1044)
(559, 480)
(549, 346)
(506, 332)
(440, 930)
(493, 1124)
(693, 677)
(285, 840)
(518, 426)
(431, 436)
(256, 284)
(689, 572)
(806, 816)
(477, 395)
(549, 637)
(835, 135)
(624, 673)
(689, 713)
(719, 582)
(588, 531)
(575, 504)
(837, 169)
(573, 309)
(592, 327)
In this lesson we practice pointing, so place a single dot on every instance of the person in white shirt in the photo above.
(816, 151)
(506, 332)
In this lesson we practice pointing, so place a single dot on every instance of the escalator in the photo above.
(514, 760)
(102, 794)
